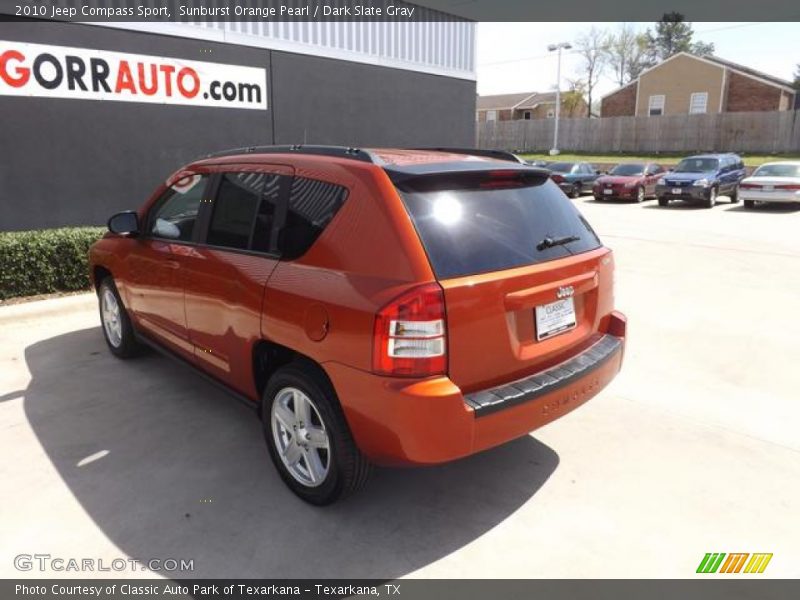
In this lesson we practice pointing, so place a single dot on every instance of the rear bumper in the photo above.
(399, 422)
(759, 196)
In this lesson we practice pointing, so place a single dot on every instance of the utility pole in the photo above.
(553, 48)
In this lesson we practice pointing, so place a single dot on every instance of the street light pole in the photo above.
(557, 47)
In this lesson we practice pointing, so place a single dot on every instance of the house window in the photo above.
(698, 103)
(526, 115)
(656, 105)
(491, 115)
(551, 113)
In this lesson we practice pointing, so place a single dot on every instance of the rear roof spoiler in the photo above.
(496, 154)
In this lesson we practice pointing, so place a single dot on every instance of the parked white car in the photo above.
(772, 182)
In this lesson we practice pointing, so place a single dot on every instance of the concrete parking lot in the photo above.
(694, 448)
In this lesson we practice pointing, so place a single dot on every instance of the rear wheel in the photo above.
(308, 438)
(734, 195)
(749, 204)
(663, 202)
(117, 328)
(712, 198)
(575, 192)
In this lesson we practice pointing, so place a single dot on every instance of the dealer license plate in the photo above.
(608, 192)
(554, 318)
(676, 190)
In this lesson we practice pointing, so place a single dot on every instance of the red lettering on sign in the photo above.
(125, 78)
(22, 73)
(167, 70)
(151, 89)
(192, 74)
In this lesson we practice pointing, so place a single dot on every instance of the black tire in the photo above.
(575, 192)
(640, 195)
(734, 195)
(348, 468)
(128, 346)
(663, 202)
(749, 204)
(711, 201)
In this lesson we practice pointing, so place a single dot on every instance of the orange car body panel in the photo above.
(212, 306)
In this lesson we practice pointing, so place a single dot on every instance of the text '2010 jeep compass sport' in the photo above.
(392, 307)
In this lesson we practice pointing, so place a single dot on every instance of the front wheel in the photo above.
(640, 195)
(734, 195)
(308, 438)
(575, 192)
(712, 198)
(117, 328)
(663, 202)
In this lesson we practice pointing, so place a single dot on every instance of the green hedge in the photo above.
(45, 261)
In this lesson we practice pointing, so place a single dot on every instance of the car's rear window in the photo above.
(480, 222)
(778, 170)
(561, 167)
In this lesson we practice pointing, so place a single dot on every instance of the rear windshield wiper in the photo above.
(549, 242)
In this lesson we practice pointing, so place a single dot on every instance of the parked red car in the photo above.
(628, 181)
(395, 307)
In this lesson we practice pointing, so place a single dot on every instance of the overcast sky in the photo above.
(513, 57)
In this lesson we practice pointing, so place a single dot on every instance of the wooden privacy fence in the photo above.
(752, 132)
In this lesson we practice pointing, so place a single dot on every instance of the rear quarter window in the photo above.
(476, 223)
(312, 206)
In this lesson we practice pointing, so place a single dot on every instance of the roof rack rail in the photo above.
(338, 151)
(498, 154)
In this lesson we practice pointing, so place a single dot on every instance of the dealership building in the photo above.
(96, 115)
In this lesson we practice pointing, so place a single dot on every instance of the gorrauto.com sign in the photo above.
(62, 72)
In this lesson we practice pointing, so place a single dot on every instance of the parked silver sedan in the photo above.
(772, 182)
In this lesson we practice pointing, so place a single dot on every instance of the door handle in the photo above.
(172, 264)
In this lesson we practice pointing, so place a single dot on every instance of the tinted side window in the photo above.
(312, 206)
(175, 213)
(244, 211)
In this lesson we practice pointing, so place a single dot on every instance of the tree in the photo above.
(572, 100)
(625, 54)
(672, 35)
(592, 47)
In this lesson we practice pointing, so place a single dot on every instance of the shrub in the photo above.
(45, 261)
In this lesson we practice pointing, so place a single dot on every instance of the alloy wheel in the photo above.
(301, 437)
(112, 319)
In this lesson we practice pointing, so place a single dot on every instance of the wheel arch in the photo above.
(269, 356)
(99, 273)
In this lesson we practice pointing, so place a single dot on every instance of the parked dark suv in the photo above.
(395, 307)
(702, 178)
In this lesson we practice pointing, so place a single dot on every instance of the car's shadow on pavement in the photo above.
(187, 476)
(679, 205)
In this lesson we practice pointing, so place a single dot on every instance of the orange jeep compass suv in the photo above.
(392, 307)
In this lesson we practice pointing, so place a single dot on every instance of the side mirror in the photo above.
(124, 223)
(671, 169)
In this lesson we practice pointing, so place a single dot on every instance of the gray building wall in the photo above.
(75, 162)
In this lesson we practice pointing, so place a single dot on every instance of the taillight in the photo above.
(410, 338)
(748, 186)
(788, 186)
(557, 178)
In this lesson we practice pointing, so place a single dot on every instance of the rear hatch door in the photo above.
(522, 270)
